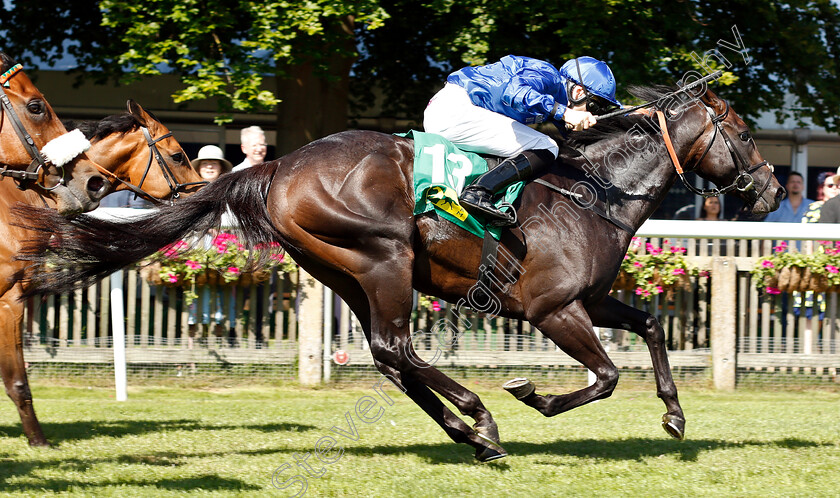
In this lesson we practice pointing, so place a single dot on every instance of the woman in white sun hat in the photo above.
(211, 163)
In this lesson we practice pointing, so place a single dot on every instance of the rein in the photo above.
(175, 187)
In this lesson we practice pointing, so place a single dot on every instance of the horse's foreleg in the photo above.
(571, 330)
(612, 313)
(13, 368)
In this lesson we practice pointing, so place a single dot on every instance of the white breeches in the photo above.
(452, 115)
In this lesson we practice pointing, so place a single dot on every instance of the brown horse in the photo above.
(36, 150)
(125, 145)
(343, 207)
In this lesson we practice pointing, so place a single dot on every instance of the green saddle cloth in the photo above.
(441, 171)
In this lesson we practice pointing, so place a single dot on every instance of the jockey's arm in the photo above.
(529, 95)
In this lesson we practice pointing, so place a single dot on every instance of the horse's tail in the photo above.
(81, 250)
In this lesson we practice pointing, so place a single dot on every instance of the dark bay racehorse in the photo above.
(342, 207)
(121, 147)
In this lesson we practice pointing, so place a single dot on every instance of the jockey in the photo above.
(487, 109)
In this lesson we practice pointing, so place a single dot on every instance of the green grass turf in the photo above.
(166, 441)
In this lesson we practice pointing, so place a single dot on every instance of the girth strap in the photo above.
(603, 213)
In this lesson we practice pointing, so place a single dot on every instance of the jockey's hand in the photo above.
(578, 120)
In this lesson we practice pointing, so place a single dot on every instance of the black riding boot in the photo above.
(477, 198)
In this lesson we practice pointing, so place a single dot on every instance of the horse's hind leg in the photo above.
(454, 427)
(13, 368)
(612, 313)
(394, 308)
(571, 330)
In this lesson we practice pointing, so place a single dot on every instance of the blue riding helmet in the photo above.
(593, 75)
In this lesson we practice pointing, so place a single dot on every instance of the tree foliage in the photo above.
(223, 49)
(784, 47)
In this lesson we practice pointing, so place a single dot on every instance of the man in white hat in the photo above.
(211, 163)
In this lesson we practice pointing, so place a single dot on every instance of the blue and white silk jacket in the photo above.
(524, 89)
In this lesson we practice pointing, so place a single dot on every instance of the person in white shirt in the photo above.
(252, 141)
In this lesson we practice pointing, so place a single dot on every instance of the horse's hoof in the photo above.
(674, 425)
(490, 453)
(520, 387)
(488, 434)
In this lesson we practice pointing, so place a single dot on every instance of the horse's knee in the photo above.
(607, 380)
(19, 392)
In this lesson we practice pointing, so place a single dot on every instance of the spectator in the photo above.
(252, 141)
(710, 210)
(821, 178)
(211, 163)
(794, 207)
(830, 210)
(827, 190)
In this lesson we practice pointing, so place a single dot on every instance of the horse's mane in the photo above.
(620, 125)
(6, 62)
(97, 130)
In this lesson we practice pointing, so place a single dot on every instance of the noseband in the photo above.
(744, 182)
(32, 174)
(175, 187)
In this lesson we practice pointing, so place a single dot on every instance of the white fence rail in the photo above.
(720, 328)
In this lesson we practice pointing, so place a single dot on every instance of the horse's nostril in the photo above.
(96, 185)
(781, 194)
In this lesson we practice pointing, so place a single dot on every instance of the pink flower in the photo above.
(193, 265)
(172, 278)
(658, 289)
(233, 270)
(704, 274)
(278, 257)
(781, 247)
(639, 291)
(435, 306)
(678, 271)
(638, 264)
(767, 264)
(772, 290)
(832, 268)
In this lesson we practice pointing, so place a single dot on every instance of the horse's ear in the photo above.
(137, 111)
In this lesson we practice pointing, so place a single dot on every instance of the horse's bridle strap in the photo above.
(663, 125)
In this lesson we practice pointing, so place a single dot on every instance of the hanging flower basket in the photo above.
(787, 271)
(655, 271)
(180, 265)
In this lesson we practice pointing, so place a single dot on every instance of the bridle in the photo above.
(744, 182)
(175, 187)
(36, 173)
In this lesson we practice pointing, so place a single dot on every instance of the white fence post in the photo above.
(723, 340)
(118, 332)
(329, 299)
(310, 330)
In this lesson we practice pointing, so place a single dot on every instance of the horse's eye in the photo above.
(35, 106)
(744, 136)
(178, 158)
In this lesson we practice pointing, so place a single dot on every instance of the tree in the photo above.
(223, 49)
(768, 48)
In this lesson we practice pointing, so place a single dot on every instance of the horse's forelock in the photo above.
(6, 62)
